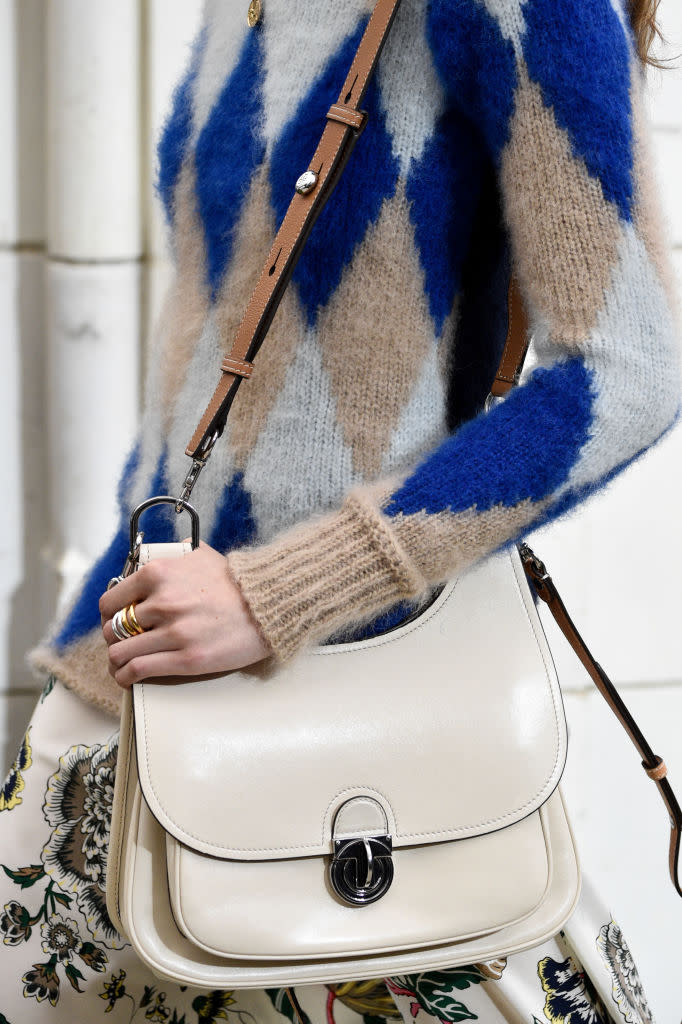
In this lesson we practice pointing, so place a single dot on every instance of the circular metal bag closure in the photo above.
(361, 870)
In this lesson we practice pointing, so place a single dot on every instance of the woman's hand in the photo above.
(194, 617)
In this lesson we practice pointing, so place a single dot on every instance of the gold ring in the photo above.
(130, 629)
(132, 619)
(123, 619)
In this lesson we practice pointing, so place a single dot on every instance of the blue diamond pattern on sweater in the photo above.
(85, 613)
(442, 189)
(477, 66)
(494, 459)
(234, 524)
(158, 523)
(227, 154)
(590, 98)
(576, 496)
(369, 178)
(176, 132)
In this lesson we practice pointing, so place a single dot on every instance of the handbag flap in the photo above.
(453, 723)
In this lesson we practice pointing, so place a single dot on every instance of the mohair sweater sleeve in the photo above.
(555, 88)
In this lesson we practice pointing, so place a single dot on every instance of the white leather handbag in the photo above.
(365, 811)
(373, 808)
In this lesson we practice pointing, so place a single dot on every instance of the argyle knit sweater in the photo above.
(359, 467)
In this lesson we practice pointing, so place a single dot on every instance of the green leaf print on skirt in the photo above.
(435, 992)
(60, 936)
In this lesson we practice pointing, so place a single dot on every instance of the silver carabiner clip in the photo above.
(165, 499)
(200, 459)
(131, 562)
(136, 534)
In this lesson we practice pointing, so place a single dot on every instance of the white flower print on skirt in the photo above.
(62, 961)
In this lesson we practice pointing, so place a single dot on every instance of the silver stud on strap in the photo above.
(306, 183)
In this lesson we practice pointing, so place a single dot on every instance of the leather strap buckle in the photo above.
(356, 119)
(658, 771)
(239, 367)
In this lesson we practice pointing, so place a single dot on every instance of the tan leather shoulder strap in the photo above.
(516, 345)
(653, 765)
(507, 376)
(345, 120)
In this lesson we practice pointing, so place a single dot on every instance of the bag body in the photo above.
(373, 808)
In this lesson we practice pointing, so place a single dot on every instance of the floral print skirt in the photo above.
(62, 962)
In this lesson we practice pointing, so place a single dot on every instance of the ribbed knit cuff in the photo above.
(341, 568)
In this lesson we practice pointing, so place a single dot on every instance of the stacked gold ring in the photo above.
(129, 614)
(125, 624)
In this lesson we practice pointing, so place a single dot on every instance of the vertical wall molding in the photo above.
(24, 599)
(93, 116)
(94, 244)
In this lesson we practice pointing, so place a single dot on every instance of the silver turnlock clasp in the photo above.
(361, 869)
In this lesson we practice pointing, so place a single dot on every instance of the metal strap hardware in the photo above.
(136, 535)
(164, 499)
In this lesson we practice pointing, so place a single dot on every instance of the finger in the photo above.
(134, 588)
(151, 666)
(145, 618)
(152, 642)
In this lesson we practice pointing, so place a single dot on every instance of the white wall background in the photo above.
(83, 89)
